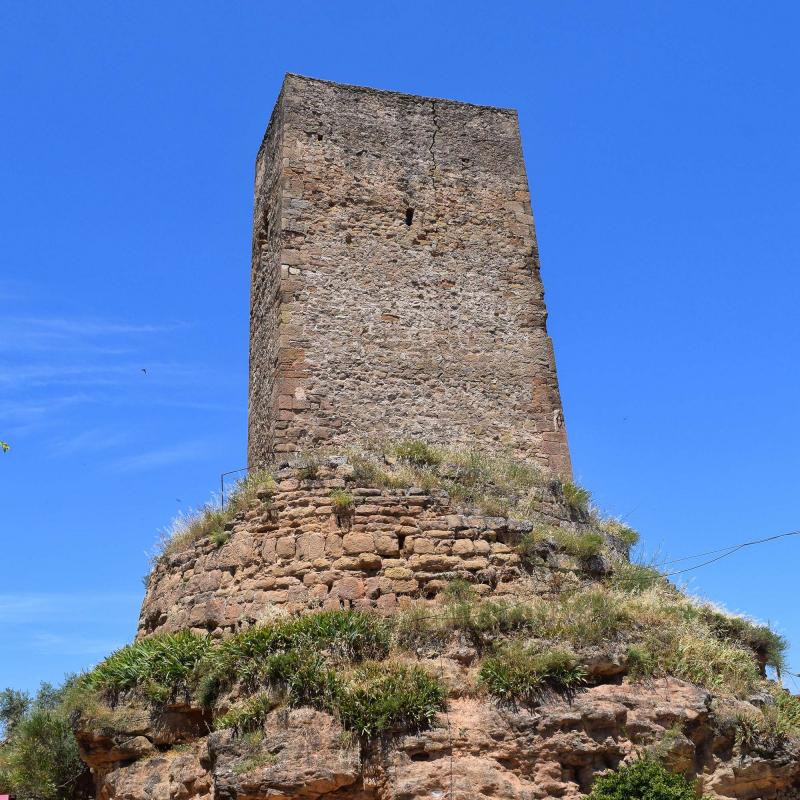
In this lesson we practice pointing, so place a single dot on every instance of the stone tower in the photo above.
(395, 279)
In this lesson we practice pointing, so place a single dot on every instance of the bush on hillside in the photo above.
(39, 759)
(644, 779)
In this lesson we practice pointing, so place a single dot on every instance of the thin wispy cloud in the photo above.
(92, 440)
(24, 608)
(161, 457)
(53, 367)
(32, 335)
(40, 375)
(48, 643)
(90, 327)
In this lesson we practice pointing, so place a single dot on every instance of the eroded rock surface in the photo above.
(478, 751)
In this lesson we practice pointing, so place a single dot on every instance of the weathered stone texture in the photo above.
(295, 553)
(395, 278)
(476, 751)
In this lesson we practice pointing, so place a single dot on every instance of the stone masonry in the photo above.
(395, 279)
(291, 551)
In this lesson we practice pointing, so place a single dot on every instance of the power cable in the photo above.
(726, 551)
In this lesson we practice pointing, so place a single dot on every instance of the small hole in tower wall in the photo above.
(409, 216)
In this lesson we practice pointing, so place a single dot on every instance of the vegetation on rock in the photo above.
(523, 676)
(341, 502)
(644, 779)
(495, 484)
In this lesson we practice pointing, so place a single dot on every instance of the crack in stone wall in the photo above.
(433, 146)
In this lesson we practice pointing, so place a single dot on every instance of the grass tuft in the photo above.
(581, 545)
(577, 498)
(383, 699)
(342, 502)
(417, 453)
(244, 658)
(522, 676)
(497, 485)
(634, 578)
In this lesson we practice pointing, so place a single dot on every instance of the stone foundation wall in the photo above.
(292, 551)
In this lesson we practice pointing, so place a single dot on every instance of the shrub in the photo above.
(342, 502)
(644, 779)
(159, 666)
(417, 453)
(39, 756)
(13, 707)
(383, 699)
(343, 635)
(521, 676)
(577, 498)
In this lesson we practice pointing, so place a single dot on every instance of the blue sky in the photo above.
(661, 144)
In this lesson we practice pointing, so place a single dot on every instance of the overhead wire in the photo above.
(725, 552)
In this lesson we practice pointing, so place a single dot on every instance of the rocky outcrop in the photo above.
(302, 753)
(181, 774)
(477, 751)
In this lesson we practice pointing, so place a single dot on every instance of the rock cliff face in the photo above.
(478, 751)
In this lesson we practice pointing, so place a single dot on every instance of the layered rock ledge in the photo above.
(478, 751)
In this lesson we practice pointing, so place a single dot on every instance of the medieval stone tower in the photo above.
(395, 279)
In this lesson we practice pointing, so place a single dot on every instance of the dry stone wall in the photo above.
(293, 552)
(395, 278)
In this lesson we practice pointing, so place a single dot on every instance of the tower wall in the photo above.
(395, 279)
